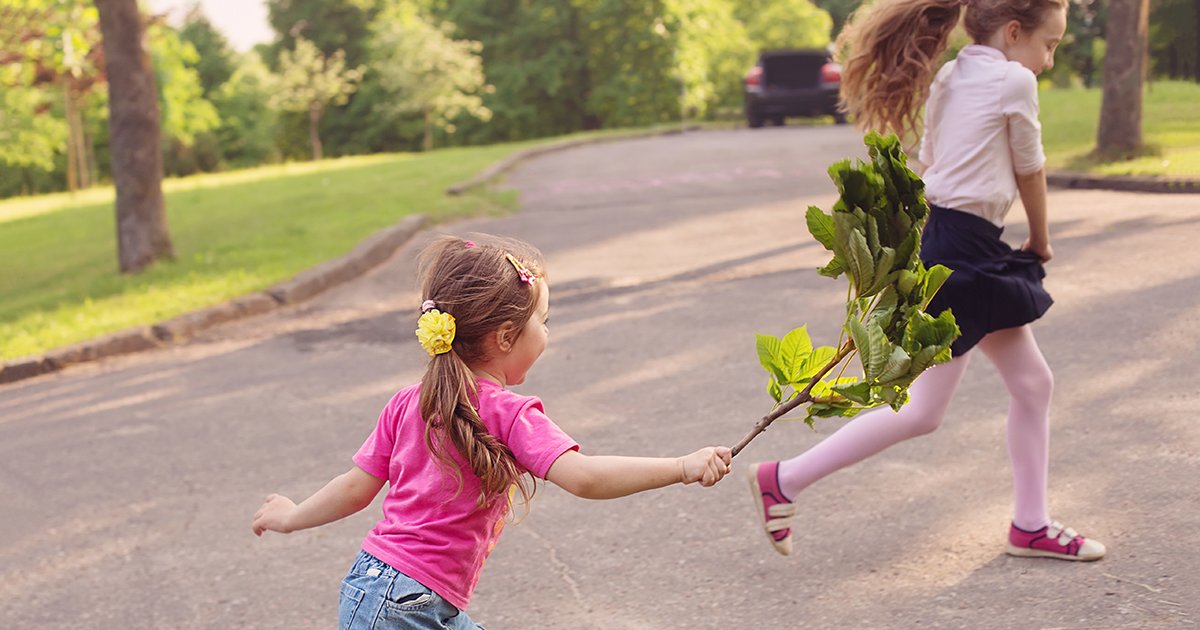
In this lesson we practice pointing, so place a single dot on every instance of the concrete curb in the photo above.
(511, 161)
(369, 254)
(1123, 183)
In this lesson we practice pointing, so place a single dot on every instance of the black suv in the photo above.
(793, 83)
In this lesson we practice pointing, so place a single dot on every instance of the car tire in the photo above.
(778, 121)
(839, 118)
(754, 119)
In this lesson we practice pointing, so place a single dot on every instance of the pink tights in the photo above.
(1030, 384)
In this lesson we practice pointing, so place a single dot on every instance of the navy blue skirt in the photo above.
(993, 286)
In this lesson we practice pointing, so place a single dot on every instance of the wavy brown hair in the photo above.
(482, 291)
(892, 49)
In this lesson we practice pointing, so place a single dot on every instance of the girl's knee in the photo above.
(1035, 385)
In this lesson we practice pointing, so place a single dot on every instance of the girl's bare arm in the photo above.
(611, 476)
(1033, 196)
(346, 494)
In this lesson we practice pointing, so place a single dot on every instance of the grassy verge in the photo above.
(1170, 128)
(234, 233)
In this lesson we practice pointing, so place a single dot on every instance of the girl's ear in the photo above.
(506, 335)
(1012, 32)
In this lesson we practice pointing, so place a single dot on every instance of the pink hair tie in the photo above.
(428, 305)
(469, 244)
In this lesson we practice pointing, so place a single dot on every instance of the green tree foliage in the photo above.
(28, 137)
(215, 59)
(185, 112)
(424, 71)
(533, 58)
(310, 81)
(1175, 38)
(249, 126)
(54, 47)
(785, 23)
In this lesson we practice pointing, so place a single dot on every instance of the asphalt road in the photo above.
(126, 487)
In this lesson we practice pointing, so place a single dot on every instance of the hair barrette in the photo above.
(468, 244)
(428, 305)
(523, 273)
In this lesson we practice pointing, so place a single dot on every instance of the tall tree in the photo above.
(54, 43)
(142, 235)
(309, 82)
(427, 72)
(1120, 130)
(214, 61)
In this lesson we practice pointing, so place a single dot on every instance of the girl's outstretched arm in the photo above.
(1033, 196)
(610, 476)
(346, 494)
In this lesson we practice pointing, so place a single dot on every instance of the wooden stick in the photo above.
(804, 396)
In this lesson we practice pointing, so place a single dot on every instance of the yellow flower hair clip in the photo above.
(523, 272)
(435, 330)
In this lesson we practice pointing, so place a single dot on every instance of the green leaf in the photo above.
(897, 365)
(861, 264)
(820, 225)
(835, 268)
(872, 233)
(935, 277)
(873, 347)
(922, 360)
(774, 390)
(768, 355)
(793, 352)
(859, 392)
(883, 270)
(817, 359)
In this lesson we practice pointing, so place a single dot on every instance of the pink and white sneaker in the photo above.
(775, 512)
(1053, 541)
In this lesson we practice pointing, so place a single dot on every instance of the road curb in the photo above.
(367, 255)
(1124, 183)
(507, 164)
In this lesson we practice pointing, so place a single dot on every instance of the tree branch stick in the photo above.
(804, 396)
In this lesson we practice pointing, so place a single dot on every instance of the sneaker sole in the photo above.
(1025, 552)
(784, 547)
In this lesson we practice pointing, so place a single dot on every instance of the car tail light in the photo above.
(831, 73)
(753, 79)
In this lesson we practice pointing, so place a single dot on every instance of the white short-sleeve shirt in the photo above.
(981, 131)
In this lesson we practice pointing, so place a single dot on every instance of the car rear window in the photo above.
(801, 70)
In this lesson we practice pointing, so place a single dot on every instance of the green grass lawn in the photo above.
(1170, 128)
(234, 233)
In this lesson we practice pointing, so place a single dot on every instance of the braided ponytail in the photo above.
(476, 285)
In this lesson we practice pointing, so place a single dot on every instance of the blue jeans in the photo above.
(377, 597)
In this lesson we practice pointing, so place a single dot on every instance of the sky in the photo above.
(243, 22)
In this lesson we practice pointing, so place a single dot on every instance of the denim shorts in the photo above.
(377, 597)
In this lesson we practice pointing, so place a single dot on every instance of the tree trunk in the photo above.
(428, 144)
(314, 134)
(133, 120)
(1120, 130)
(77, 140)
(1196, 42)
(72, 146)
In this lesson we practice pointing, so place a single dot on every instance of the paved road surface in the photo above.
(126, 487)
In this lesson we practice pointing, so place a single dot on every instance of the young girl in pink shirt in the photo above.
(980, 149)
(455, 447)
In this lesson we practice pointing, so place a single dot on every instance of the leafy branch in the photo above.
(874, 233)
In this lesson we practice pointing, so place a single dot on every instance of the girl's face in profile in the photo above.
(1035, 48)
(532, 342)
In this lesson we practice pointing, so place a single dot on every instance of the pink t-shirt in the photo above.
(427, 533)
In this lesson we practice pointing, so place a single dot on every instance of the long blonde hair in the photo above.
(894, 48)
(475, 283)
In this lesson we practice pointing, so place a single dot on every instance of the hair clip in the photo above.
(428, 305)
(468, 244)
(524, 274)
